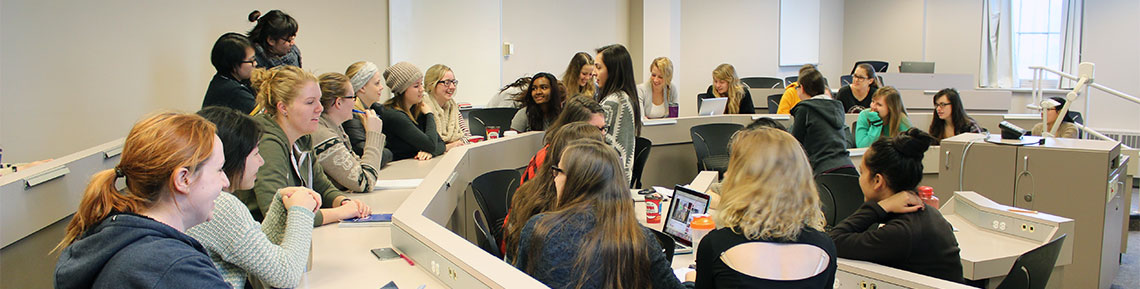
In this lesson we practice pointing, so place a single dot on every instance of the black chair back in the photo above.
(480, 119)
(845, 195)
(491, 190)
(763, 82)
(640, 154)
(710, 141)
(879, 66)
(485, 239)
(1032, 269)
(793, 78)
(667, 244)
(845, 80)
(774, 103)
(826, 204)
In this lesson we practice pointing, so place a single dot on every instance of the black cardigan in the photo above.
(921, 242)
(229, 92)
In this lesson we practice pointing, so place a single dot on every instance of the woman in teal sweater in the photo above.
(886, 118)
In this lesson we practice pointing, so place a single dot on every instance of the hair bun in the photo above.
(913, 143)
(253, 16)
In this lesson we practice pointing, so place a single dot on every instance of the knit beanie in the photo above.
(400, 76)
(362, 76)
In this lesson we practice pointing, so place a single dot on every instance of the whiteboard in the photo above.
(799, 32)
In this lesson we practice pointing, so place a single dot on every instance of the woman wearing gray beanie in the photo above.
(410, 128)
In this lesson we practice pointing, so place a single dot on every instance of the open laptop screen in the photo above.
(685, 204)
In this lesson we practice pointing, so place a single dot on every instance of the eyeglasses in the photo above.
(557, 170)
(856, 76)
(449, 82)
(349, 96)
(942, 104)
(251, 61)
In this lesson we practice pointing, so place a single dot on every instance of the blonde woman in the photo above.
(348, 171)
(727, 84)
(440, 85)
(886, 118)
(770, 208)
(365, 79)
(658, 94)
(579, 76)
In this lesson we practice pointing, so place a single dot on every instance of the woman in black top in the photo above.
(410, 128)
(233, 59)
(913, 236)
(727, 84)
(770, 202)
(950, 117)
(857, 96)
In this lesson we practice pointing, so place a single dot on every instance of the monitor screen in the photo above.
(685, 204)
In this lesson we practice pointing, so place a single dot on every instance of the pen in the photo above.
(407, 259)
(1015, 210)
(357, 111)
(422, 286)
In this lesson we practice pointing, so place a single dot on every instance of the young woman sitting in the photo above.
(950, 117)
(886, 118)
(542, 103)
(348, 171)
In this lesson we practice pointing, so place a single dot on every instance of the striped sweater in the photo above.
(274, 252)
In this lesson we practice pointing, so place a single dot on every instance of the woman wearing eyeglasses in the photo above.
(233, 58)
(1052, 106)
(857, 96)
(347, 171)
(440, 84)
(950, 117)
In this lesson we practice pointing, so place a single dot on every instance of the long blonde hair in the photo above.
(896, 112)
(769, 191)
(155, 147)
(573, 74)
(280, 84)
(666, 67)
(727, 73)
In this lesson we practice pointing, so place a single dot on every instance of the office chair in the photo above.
(667, 244)
(845, 194)
(1032, 269)
(793, 78)
(710, 141)
(485, 239)
(845, 80)
(879, 66)
(774, 102)
(640, 154)
(851, 135)
(827, 205)
(498, 116)
(491, 190)
(763, 82)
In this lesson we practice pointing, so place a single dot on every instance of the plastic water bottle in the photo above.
(926, 193)
(701, 225)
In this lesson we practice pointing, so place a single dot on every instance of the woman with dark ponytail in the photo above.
(274, 39)
(172, 166)
(913, 237)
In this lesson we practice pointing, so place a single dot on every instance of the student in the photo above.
(233, 60)
(346, 170)
(410, 127)
(440, 84)
(274, 39)
(508, 95)
(541, 104)
(763, 122)
(1052, 106)
(290, 99)
(770, 202)
(727, 84)
(579, 76)
(857, 96)
(618, 96)
(273, 253)
(365, 78)
(592, 238)
(886, 118)
(658, 94)
(536, 194)
(950, 116)
(913, 236)
(172, 166)
(580, 109)
(821, 128)
(791, 97)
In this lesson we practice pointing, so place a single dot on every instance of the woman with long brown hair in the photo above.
(579, 76)
(886, 118)
(592, 238)
(172, 166)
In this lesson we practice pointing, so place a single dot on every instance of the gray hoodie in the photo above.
(820, 128)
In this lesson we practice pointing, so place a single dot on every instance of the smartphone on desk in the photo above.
(385, 254)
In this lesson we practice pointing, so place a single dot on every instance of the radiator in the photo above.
(1129, 138)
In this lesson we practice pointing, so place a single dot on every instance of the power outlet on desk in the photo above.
(435, 268)
(451, 273)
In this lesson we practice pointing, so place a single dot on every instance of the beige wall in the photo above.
(463, 35)
(76, 74)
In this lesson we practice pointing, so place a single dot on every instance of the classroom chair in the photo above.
(640, 154)
(668, 246)
(793, 78)
(1032, 269)
(710, 141)
(774, 103)
(879, 66)
(485, 239)
(480, 119)
(763, 82)
(491, 190)
(842, 193)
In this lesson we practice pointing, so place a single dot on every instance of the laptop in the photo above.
(685, 204)
(916, 67)
(711, 106)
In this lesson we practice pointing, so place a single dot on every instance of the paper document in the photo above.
(397, 184)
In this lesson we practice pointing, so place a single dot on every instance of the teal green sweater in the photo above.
(870, 128)
(278, 171)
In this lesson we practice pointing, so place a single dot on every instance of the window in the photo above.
(1037, 37)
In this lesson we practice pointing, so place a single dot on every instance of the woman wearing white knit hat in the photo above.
(410, 127)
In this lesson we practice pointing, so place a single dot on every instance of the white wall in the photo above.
(661, 35)
(463, 35)
(1110, 40)
(886, 30)
(79, 73)
(546, 34)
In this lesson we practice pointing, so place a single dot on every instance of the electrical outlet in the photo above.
(451, 273)
(435, 268)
